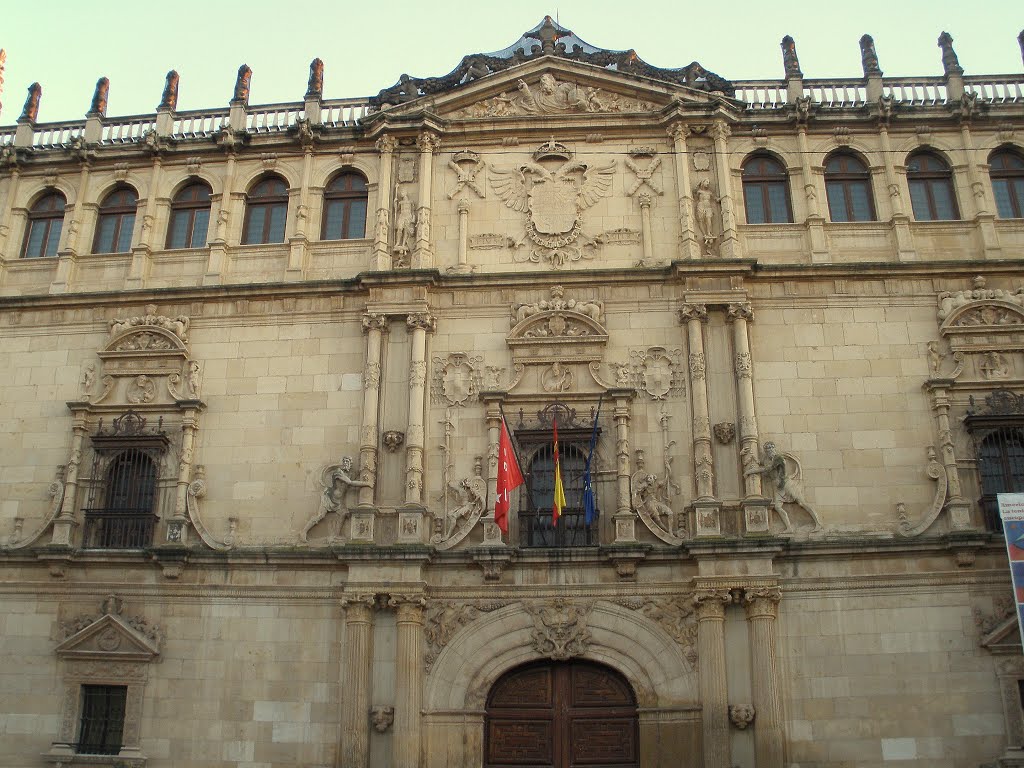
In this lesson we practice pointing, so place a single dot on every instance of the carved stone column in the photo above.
(492, 402)
(755, 507)
(625, 519)
(299, 240)
(65, 522)
(678, 133)
(374, 327)
(423, 256)
(217, 261)
(381, 258)
(769, 737)
(694, 316)
(80, 227)
(714, 692)
(408, 679)
(905, 250)
(177, 525)
(419, 324)
(959, 508)
(730, 242)
(354, 746)
(982, 215)
(142, 254)
(5, 218)
(815, 221)
(463, 267)
(644, 199)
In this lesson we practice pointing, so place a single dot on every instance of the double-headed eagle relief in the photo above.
(554, 190)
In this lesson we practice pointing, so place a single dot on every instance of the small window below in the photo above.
(1007, 174)
(766, 191)
(931, 188)
(536, 528)
(345, 208)
(190, 217)
(116, 222)
(848, 186)
(266, 211)
(45, 222)
(101, 729)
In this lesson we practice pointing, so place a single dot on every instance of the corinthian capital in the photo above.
(374, 322)
(762, 602)
(386, 144)
(720, 131)
(679, 131)
(422, 320)
(740, 311)
(428, 142)
(688, 312)
(711, 603)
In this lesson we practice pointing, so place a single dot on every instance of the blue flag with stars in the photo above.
(589, 503)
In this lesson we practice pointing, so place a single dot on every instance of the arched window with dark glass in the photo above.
(120, 513)
(116, 222)
(848, 186)
(1006, 169)
(345, 207)
(190, 217)
(766, 191)
(536, 526)
(1001, 469)
(931, 188)
(45, 222)
(266, 211)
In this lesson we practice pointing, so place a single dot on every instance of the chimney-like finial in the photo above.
(30, 112)
(869, 57)
(169, 98)
(315, 88)
(98, 108)
(241, 95)
(1020, 42)
(950, 64)
(789, 58)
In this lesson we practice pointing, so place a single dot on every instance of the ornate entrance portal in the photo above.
(561, 715)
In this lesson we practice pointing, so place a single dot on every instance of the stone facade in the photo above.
(551, 231)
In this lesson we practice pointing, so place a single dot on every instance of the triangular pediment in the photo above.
(109, 638)
(553, 87)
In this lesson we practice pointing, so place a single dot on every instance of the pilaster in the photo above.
(354, 744)
(761, 605)
(381, 258)
(408, 679)
(419, 323)
(374, 326)
(679, 132)
(423, 255)
(730, 241)
(694, 316)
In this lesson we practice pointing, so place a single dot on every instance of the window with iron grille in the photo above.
(123, 486)
(998, 434)
(102, 725)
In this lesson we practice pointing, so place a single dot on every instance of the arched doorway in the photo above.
(561, 715)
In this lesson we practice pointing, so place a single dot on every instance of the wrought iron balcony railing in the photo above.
(118, 528)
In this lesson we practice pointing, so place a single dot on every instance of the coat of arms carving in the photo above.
(456, 378)
(554, 199)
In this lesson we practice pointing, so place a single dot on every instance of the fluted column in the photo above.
(408, 679)
(374, 327)
(769, 738)
(354, 746)
(678, 133)
(419, 324)
(423, 256)
(625, 528)
(381, 258)
(959, 508)
(730, 242)
(714, 692)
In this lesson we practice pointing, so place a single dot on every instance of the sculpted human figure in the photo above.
(645, 499)
(405, 221)
(337, 482)
(784, 486)
(705, 210)
(473, 491)
(552, 97)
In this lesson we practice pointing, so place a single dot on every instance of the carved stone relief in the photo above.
(783, 472)
(467, 166)
(552, 97)
(557, 378)
(656, 371)
(644, 173)
(457, 522)
(554, 198)
(650, 496)
(560, 628)
(442, 620)
(456, 378)
(676, 615)
(336, 481)
(935, 471)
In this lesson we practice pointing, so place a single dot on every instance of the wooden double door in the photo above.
(572, 714)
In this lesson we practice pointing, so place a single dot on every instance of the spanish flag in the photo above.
(558, 501)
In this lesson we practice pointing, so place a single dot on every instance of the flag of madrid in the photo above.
(509, 478)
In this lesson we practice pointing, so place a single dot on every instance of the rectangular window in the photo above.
(124, 239)
(102, 724)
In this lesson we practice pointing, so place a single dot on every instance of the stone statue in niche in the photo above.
(706, 213)
(336, 480)
(405, 227)
(785, 484)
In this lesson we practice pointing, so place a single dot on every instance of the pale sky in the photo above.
(67, 45)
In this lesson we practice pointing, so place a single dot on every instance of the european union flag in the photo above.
(589, 503)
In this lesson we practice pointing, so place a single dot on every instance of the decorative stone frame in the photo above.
(109, 651)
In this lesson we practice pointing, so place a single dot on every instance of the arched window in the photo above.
(266, 210)
(535, 520)
(766, 191)
(116, 222)
(1001, 469)
(848, 186)
(190, 217)
(345, 207)
(1006, 169)
(124, 516)
(931, 188)
(45, 221)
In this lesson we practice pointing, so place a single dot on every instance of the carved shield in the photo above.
(553, 206)
(657, 376)
(458, 383)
